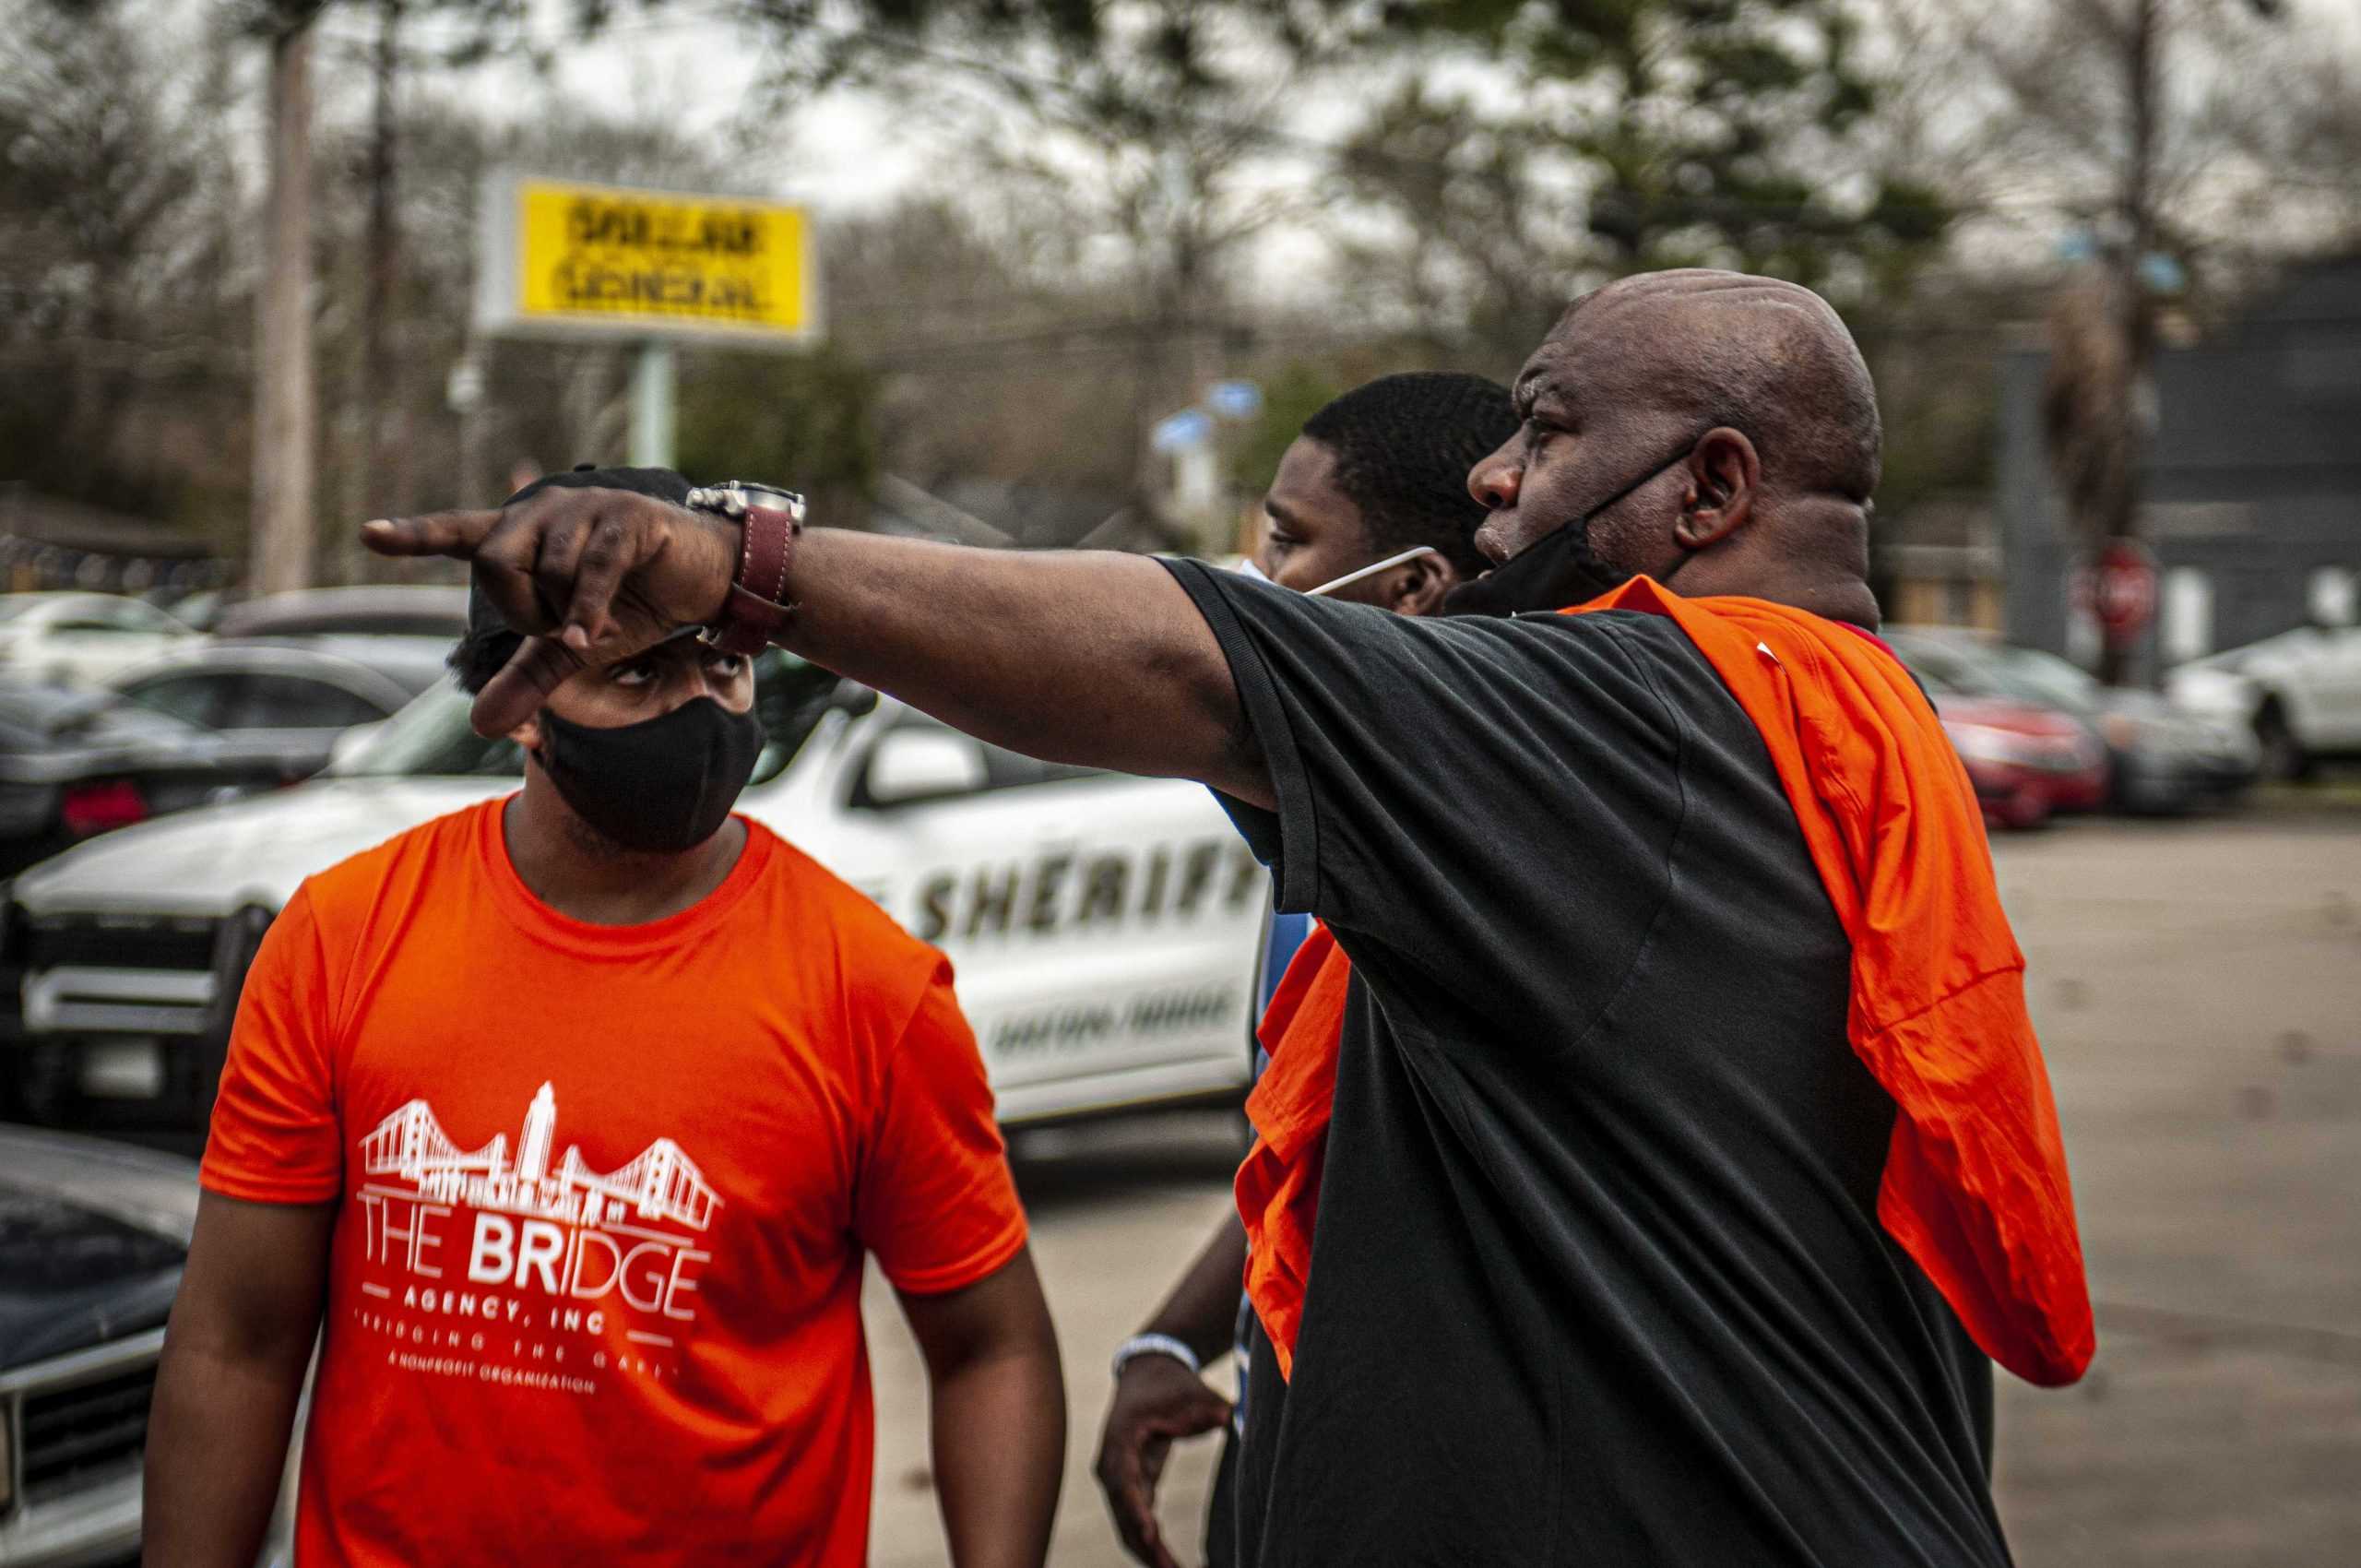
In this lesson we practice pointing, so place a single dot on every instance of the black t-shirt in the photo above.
(1597, 1277)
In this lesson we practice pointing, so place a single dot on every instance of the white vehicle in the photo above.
(82, 638)
(1104, 927)
(2300, 691)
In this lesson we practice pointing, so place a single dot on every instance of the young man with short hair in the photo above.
(569, 1121)
(1370, 504)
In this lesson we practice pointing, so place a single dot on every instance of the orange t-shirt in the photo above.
(604, 1196)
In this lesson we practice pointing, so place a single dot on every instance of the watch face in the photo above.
(731, 500)
(769, 496)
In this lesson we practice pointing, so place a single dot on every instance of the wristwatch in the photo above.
(757, 610)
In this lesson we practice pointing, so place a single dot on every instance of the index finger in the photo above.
(515, 695)
(455, 534)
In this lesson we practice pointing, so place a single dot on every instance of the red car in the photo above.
(2026, 762)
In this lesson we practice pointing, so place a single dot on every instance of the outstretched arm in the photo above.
(1083, 657)
(1076, 655)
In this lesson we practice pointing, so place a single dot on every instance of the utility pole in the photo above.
(381, 452)
(653, 378)
(282, 540)
(2118, 513)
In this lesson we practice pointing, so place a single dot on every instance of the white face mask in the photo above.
(1247, 568)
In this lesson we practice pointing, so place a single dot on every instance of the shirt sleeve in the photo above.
(275, 1135)
(1441, 781)
(935, 1202)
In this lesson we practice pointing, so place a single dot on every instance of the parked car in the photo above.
(2163, 757)
(1104, 926)
(288, 699)
(392, 609)
(199, 727)
(2027, 762)
(200, 610)
(67, 756)
(68, 638)
(92, 1238)
(2299, 692)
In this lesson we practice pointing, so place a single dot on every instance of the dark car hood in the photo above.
(71, 1279)
(93, 1240)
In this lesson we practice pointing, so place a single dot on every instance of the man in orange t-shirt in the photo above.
(567, 1122)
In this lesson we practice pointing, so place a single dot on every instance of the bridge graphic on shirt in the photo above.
(661, 1182)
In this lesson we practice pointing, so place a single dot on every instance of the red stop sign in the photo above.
(2120, 588)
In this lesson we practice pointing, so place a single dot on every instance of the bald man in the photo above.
(1599, 1273)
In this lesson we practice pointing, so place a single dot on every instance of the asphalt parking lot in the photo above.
(2198, 987)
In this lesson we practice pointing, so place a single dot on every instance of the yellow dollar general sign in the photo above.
(567, 260)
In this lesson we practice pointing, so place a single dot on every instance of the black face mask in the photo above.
(661, 786)
(1560, 568)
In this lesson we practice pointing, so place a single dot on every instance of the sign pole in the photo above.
(652, 378)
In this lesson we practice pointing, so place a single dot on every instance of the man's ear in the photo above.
(1725, 471)
(529, 735)
(1421, 587)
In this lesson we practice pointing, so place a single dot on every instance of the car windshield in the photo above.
(1974, 669)
(1944, 665)
(431, 736)
(31, 714)
(2044, 677)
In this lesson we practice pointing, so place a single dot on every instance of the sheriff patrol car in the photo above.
(1103, 927)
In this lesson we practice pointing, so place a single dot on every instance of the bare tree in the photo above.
(99, 184)
(1131, 151)
(2137, 130)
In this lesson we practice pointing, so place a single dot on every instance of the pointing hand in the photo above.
(590, 575)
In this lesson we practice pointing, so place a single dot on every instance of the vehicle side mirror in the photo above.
(910, 765)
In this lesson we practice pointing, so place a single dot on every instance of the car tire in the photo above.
(2284, 757)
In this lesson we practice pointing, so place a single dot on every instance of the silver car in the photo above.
(92, 1238)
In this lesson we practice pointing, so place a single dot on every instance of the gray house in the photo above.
(2253, 483)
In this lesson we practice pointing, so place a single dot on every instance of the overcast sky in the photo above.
(687, 61)
(853, 149)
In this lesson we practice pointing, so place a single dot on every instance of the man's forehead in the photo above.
(1582, 360)
(1304, 485)
(1626, 340)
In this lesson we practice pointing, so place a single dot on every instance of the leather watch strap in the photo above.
(757, 610)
